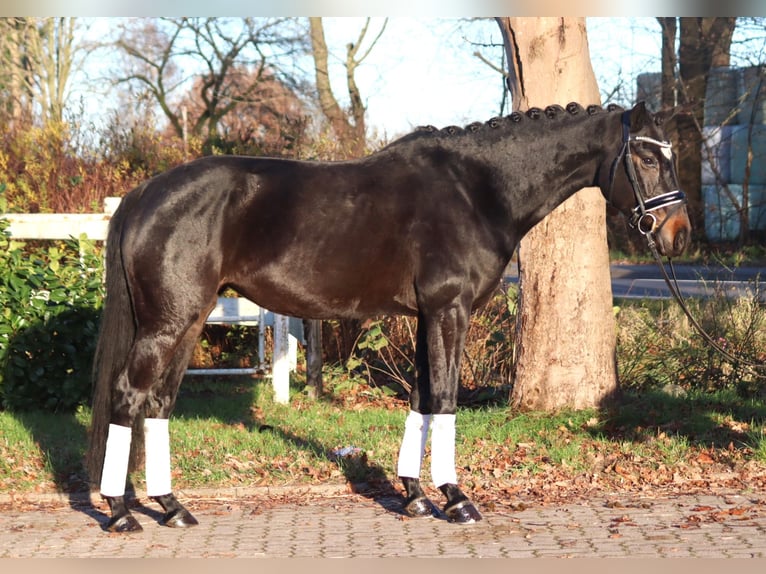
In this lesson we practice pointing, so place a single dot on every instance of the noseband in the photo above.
(641, 216)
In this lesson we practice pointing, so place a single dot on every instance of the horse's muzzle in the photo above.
(672, 240)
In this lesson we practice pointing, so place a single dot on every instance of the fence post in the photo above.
(280, 370)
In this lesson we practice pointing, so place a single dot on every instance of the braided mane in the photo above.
(551, 112)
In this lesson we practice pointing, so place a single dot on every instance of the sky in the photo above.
(413, 79)
(380, 7)
(423, 69)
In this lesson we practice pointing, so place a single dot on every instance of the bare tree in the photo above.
(271, 119)
(350, 130)
(161, 55)
(566, 329)
(351, 127)
(37, 59)
(703, 43)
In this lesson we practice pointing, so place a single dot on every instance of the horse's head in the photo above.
(642, 183)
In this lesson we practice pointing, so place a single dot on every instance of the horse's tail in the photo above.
(117, 333)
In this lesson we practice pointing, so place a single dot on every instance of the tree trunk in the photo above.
(704, 43)
(669, 28)
(565, 328)
(336, 117)
(312, 331)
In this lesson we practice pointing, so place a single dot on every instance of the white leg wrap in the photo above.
(157, 439)
(115, 472)
(443, 450)
(413, 445)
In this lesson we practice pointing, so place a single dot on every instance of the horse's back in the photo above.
(310, 239)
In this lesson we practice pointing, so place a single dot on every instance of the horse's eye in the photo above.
(649, 161)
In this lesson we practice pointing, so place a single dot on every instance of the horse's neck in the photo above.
(544, 171)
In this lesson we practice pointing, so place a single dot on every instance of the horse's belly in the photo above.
(322, 296)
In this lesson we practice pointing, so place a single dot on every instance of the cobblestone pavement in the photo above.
(327, 524)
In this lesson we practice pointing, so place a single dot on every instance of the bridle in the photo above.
(642, 216)
(644, 220)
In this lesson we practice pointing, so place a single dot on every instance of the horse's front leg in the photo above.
(445, 336)
(458, 507)
(440, 341)
(415, 437)
(411, 454)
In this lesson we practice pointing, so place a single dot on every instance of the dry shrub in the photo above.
(384, 351)
(657, 345)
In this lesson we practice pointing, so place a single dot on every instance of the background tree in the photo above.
(270, 120)
(703, 44)
(566, 337)
(350, 130)
(16, 101)
(160, 53)
(349, 127)
(37, 59)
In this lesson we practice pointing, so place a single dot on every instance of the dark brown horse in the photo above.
(423, 227)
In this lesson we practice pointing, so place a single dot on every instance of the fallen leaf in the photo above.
(704, 458)
(702, 508)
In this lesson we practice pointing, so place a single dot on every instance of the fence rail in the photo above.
(229, 310)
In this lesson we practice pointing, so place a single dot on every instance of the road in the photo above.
(644, 281)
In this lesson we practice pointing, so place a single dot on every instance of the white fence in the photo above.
(229, 310)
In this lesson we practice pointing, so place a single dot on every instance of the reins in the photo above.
(645, 221)
(676, 292)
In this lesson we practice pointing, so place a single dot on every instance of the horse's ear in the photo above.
(639, 116)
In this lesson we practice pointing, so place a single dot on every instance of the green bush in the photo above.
(50, 300)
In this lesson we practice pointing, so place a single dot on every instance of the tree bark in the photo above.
(566, 336)
(669, 28)
(704, 43)
(327, 102)
(312, 330)
(353, 134)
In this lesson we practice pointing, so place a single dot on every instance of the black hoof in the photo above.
(123, 523)
(418, 507)
(463, 512)
(176, 515)
(180, 518)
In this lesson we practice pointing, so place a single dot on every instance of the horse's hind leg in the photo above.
(113, 479)
(159, 405)
(146, 386)
(114, 475)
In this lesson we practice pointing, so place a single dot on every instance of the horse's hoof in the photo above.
(124, 523)
(418, 507)
(180, 518)
(463, 512)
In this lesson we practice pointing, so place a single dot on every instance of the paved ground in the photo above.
(326, 524)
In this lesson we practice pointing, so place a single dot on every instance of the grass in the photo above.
(228, 432)
(729, 255)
